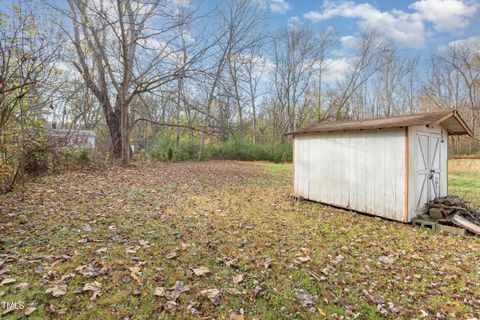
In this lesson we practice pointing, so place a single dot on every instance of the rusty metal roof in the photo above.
(450, 120)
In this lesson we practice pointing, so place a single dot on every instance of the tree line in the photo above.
(137, 70)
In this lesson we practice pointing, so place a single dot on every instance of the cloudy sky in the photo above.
(420, 25)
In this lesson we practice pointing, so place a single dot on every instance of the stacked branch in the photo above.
(457, 211)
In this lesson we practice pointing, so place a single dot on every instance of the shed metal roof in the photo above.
(71, 133)
(450, 120)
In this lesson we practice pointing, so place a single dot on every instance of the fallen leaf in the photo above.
(176, 290)
(212, 294)
(159, 276)
(62, 311)
(159, 292)
(131, 251)
(7, 281)
(192, 308)
(338, 259)
(22, 285)
(235, 316)
(171, 306)
(172, 295)
(322, 312)
(93, 269)
(58, 290)
(180, 286)
(94, 287)
(30, 310)
(137, 293)
(238, 278)
(172, 255)
(305, 251)
(303, 259)
(232, 263)
(386, 259)
(304, 298)
(268, 263)
(7, 311)
(67, 277)
(135, 272)
(233, 291)
(135, 269)
(258, 291)
(201, 271)
(249, 226)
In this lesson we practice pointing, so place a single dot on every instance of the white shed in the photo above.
(388, 167)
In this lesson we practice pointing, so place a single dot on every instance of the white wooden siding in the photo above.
(362, 170)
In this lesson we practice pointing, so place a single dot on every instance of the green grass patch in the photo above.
(464, 180)
(278, 168)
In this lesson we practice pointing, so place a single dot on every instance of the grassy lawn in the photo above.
(464, 179)
(144, 243)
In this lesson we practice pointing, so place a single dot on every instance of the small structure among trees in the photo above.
(73, 138)
(389, 167)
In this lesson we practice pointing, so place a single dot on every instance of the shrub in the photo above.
(465, 151)
(35, 160)
(188, 149)
(159, 150)
(169, 153)
(233, 149)
(83, 156)
(242, 150)
(282, 153)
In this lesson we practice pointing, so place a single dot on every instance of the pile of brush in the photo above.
(453, 210)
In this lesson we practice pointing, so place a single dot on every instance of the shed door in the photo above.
(428, 169)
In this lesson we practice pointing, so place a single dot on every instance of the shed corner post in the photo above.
(407, 176)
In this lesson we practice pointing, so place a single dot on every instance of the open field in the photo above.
(464, 179)
(130, 243)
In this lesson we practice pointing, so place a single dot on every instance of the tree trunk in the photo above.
(124, 129)
(113, 123)
(177, 129)
(254, 133)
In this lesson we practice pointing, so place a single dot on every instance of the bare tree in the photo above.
(131, 54)
(464, 60)
(370, 59)
(27, 57)
(393, 92)
(236, 33)
(254, 67)
(324, 44)
(29, 48)
(295, 55)
(453, 82)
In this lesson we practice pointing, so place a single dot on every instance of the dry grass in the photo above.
(464, 179)
(234, 219)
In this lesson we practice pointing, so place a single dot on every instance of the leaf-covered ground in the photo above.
(218, 240)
